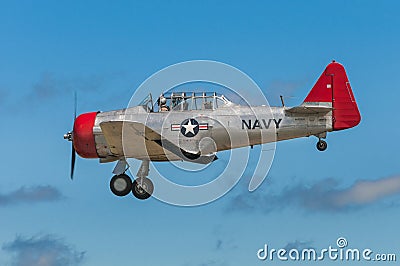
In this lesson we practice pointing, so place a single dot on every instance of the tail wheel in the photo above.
(121, 185)
(322, 145)
(142, 188)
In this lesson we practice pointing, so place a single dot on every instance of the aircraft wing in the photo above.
(112, 132)
(139, 139)
(142, 141)
(309, 109)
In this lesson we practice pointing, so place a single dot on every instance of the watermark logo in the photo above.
(340, 252)
(191, 111)
(341, 242)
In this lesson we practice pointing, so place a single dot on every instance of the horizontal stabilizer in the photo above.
(309, 109)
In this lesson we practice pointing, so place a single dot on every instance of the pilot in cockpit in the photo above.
(162, 103)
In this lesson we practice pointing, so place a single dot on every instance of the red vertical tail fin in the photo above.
(333, 87)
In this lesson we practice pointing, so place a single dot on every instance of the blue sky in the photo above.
(48, 49)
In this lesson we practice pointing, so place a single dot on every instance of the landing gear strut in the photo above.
(322, 145)
(142, 187)
(121, 184)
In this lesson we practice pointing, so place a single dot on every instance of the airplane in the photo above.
(173, 128)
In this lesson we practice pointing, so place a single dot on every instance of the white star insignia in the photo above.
(189, 127)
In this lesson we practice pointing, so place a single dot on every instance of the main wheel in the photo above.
(142, 188)
(322, 145)
(121, 185)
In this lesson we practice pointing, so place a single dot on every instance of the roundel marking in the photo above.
(189, 127)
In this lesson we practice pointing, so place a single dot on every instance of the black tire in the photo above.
(121, 185)
(322, 145)
(142, 188)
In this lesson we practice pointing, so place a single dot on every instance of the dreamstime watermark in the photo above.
(192, 134)
(340, 252)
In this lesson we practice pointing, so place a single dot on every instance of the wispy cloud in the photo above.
(365, 192)
(325, 195)
(218, 245)
(285, 88)
(46, 250)
(212, 262)
(30, 195)
(50, 85)
(207, 262)
(298, 245)
(224, 240)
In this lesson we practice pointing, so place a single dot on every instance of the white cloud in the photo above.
(365, 192)
(44, 250)
(31, 195)
(325, 195)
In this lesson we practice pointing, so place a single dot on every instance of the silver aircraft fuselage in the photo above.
(228, 127)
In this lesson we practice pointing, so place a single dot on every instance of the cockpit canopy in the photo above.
(147, 103)
(185, 101)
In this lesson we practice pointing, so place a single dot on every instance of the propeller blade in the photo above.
(73, 158)
(73, 155)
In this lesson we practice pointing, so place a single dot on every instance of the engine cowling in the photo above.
(83, 138)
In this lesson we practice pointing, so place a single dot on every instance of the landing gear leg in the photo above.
(322, 145)
(142, 187)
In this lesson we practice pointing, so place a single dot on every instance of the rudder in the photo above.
(333, 87)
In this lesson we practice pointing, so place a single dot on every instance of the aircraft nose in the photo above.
(82, 136)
